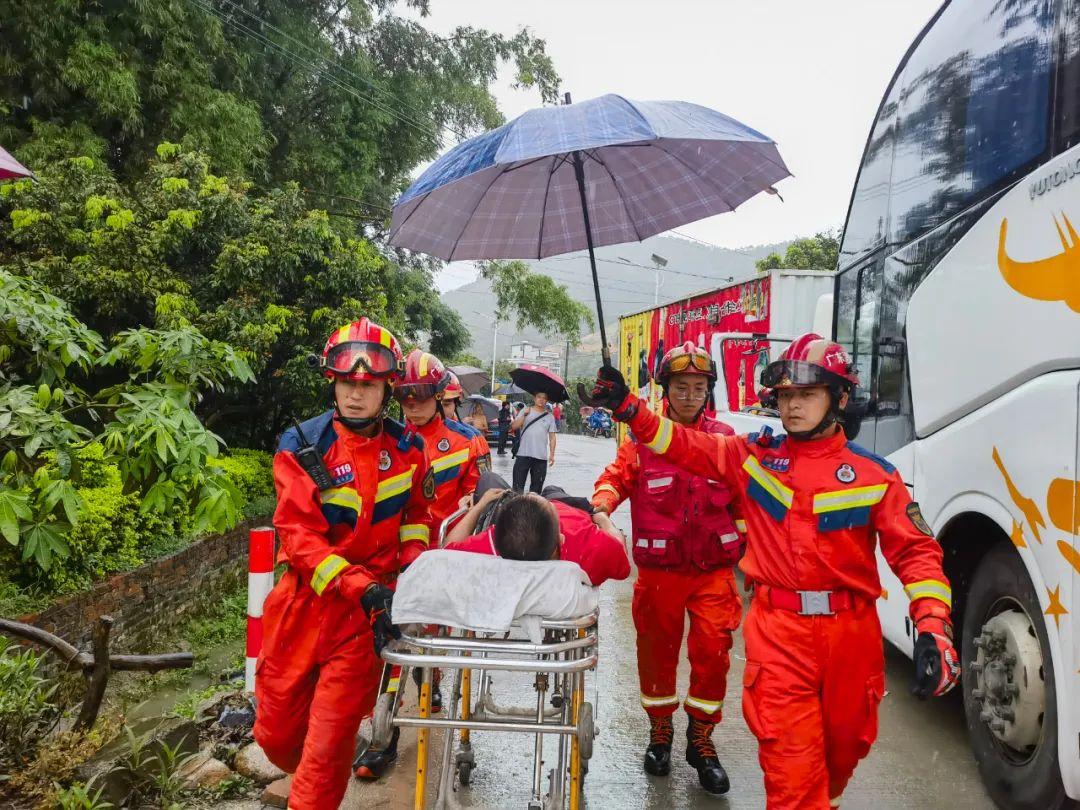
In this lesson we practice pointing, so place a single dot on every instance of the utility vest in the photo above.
(682, 520)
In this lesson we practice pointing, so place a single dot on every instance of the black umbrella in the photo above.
(539, 380)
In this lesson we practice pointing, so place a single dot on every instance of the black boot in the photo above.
(373, 763)
(658, 754)
(701, 754)
(436, 692)
(436, 698)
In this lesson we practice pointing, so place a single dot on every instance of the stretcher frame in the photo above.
(569, 650)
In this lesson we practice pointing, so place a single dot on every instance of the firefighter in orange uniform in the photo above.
(685, 544)
(816, 506)
(456, 466)
(452, 397)
(354, 494)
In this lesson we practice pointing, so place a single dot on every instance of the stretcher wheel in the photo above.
(464, 773)
(586, 731)
(466, 763)
(382, 725)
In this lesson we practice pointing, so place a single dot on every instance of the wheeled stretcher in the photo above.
(472, 643)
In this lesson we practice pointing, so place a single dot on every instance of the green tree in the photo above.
(183, 247)
(819, 252)
(144, 419)
(535, 300)
(344, 97)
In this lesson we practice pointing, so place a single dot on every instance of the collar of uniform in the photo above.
(817, 448)
(429, 428)
(354, 441)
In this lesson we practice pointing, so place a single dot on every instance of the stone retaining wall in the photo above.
(151, 599)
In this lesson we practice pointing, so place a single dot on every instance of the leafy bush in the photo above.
(251, 471)
(27, 711)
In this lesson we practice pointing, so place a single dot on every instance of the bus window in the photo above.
(868, 216)
(974, 110)
(1068, 104)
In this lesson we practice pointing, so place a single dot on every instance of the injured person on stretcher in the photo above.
(555, 526)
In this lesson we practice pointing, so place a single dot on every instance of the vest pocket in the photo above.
(655, 549)
(660, 493)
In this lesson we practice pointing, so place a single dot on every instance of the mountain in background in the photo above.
(625, 287)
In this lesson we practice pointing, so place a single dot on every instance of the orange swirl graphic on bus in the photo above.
(1055, 278)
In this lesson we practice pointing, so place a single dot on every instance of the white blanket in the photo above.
(488, 594)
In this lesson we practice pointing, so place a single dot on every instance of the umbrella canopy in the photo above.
(601, 172)
(649, 166)
(509, 390)
(10, 168)
(491, 406)
(539, 380)
(472, 378)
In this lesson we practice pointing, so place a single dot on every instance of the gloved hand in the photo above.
(376, 602)
(937, 665)
(609, 391)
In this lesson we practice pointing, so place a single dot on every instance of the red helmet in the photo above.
(689, 358)
(453, 388)
(810, 360)
(362, 350)
(425, 377)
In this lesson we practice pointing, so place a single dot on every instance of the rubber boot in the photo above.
(658, 754)
(373, 763)
(436, 692)
(701, 754)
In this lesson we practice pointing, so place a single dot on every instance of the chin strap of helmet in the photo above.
(832, 416)
(359, 425)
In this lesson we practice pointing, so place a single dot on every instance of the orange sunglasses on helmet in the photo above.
(682, 362)
(373, 358)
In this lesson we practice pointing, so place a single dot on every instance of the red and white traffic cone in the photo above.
(260, 582)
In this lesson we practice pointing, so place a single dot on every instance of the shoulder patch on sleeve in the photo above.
(864, 453)
(429, 484)
(483, 463)
(914, 514)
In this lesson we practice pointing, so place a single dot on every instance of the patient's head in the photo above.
(527, 528)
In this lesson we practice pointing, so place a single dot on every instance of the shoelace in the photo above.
(662, 732)
(701, 739)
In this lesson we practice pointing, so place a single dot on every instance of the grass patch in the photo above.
(15, 601)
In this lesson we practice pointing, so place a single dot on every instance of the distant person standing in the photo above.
(504, 426)
(557, 412)
(536, 445)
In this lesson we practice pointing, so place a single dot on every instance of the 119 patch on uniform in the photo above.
(429, 484)
(914, 514)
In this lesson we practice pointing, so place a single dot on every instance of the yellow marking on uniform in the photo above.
(849, 498)
(935, 589)
(740, 525)
(452, 460)
(709, 706)
(409, 532)
(769, 482)
(342, 496)
(325, 572)
(659, 701)
(606, 488)
(395, 485)
(662, 440)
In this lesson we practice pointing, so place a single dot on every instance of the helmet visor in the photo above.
(361, 356)
(420, 391)
(787, 373)
(691, 361)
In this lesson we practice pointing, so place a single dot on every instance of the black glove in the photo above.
(937, 666)
(376, 602)
(609, 391)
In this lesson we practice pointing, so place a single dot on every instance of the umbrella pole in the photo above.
(579, 173)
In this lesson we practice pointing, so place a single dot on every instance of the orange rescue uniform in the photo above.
(318, 675)
(456, 460)
(815, 511)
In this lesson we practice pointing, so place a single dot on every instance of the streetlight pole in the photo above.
(660, 263)
(494, 342)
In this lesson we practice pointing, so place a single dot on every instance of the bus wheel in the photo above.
(1008, 683)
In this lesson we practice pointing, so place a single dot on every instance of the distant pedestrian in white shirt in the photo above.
(536, 430)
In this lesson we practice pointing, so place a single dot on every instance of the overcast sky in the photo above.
(807, 74)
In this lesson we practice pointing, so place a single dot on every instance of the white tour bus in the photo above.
(958, 295)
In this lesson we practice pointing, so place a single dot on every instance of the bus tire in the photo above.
(1025, 778)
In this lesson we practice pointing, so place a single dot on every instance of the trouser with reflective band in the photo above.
(317, 678)
(662, 600)
(811, 691)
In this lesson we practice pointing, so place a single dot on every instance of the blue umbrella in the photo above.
(601, 172)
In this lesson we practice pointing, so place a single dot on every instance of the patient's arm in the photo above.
(464, 528)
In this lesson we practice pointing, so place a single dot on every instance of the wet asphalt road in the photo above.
(921, 759)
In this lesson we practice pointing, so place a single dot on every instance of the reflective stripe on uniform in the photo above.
(662, 440)
(932, 588)
(768, 482)
(342, 496)
(659, 701)
(452, 460)
(395, 486)
(606, 488)
(414, 531)
(740, 525)
(710, 706)
(325, 572)
(849, 498)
